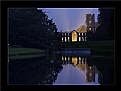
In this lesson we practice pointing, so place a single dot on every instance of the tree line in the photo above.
(105, 31)
(30, 27)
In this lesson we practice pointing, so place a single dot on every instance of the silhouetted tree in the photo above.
(30, 27)
(105, 31)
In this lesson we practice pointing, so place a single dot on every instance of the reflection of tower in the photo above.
(90, 22)
(91, 72)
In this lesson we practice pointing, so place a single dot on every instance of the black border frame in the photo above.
(45, 4)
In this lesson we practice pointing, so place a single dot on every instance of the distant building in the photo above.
(73, 36)
(81, 29)
(90, 22)
(80, 34)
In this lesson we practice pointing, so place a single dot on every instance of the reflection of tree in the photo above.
(33, 71)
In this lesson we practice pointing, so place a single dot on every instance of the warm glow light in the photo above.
(74, 36)
(79, 58)
(82, 67)
(90, 74)
(90, 21)
(90, 67)
(74, 60)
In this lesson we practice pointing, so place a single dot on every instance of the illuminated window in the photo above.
(62, 58)
(82, 34)
(85, 34)
(74, 60)
(68, 58)
(79, 38)
(79, 33)
(80, 58)
(62, 38)
(74, 36)
(90, 21)
(65, 34)
(85, 39)
(89, 28)
(68, 39)
(65, 39)
(65, 57)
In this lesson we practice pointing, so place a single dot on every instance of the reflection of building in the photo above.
(81, 62)
(91, 72)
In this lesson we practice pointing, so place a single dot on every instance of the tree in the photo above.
(29, 27)
(105, 31)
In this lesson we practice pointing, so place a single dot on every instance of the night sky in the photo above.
(68, 19)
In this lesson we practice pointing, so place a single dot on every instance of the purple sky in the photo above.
(68, 19)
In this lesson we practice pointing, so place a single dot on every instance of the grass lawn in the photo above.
(20, 53)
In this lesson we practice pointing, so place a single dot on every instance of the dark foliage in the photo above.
(29, 27)
(105, 31)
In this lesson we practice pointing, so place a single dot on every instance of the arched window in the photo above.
(74, 36)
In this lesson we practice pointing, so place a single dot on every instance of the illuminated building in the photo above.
(73, 36)
(80, 34)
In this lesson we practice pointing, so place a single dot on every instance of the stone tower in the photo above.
(90, 22)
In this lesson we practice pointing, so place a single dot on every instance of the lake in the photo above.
(62, 69)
